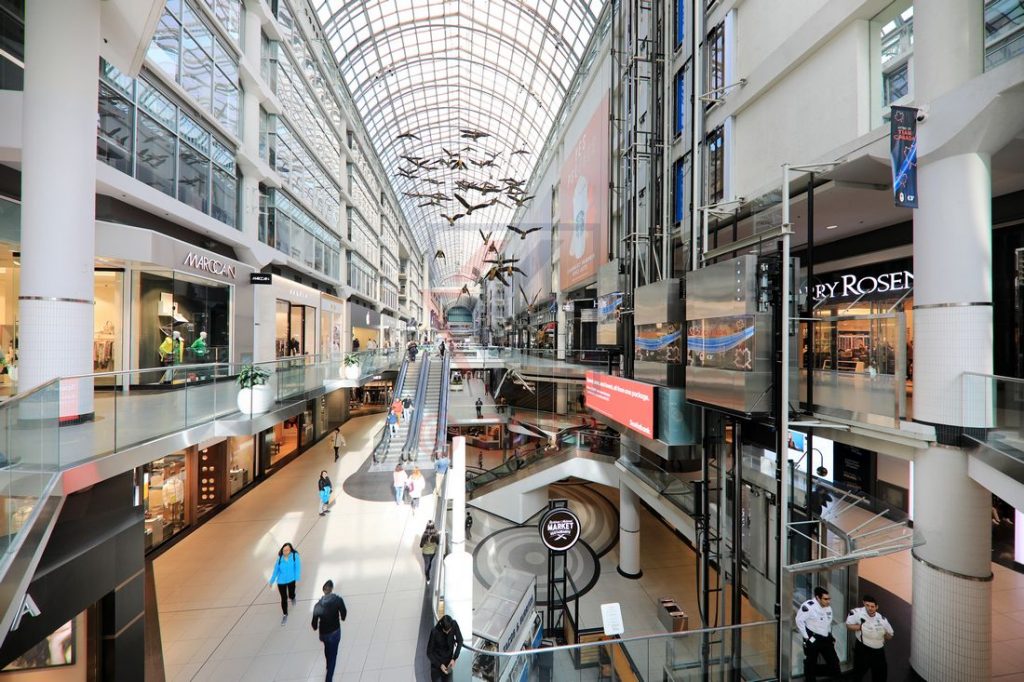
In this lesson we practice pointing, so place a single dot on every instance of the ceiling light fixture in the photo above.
(831, 227)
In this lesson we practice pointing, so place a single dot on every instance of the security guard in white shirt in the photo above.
(873, 631)
(814, 621)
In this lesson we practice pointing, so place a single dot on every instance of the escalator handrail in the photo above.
(412, 436)
(385, 438)
(441, 437)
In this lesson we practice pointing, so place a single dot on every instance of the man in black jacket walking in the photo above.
(443, 648)
(327, 616)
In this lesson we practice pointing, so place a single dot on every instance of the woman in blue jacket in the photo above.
(287, 571)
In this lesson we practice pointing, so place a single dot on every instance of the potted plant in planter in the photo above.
(352, 368)
(255, 396)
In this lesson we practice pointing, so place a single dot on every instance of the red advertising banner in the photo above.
(627, 402)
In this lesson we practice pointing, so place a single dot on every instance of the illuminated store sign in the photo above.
(210, 265)
(627, 402)
(851, 286)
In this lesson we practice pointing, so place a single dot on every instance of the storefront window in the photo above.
(108, 311)
(295, 329)
(210, 467)
(279, 442)
(164, 488)
(180, 319)
(241, 463)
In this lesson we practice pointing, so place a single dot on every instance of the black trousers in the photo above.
(336, 453)
(823, 647)
(287, 591)
(865, 658)
(436, 674)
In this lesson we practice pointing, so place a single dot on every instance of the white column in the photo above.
(458, 565)
(58, 182)
(629, 533)
(561, 333)
(951, 634)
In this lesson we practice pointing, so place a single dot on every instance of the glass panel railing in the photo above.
(745, 652)
(678, 488)
(993, 412)
(858, 366)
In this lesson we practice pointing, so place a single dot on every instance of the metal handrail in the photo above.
(441, 437)
(412, 436)
(620, 640)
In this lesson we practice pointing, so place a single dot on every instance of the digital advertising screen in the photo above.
(627, 402)
(721, 343)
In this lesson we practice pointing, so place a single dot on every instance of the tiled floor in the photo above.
(220, 621)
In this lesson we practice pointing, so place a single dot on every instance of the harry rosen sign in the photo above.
(627, 402)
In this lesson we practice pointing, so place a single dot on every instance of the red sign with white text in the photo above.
(627, 402)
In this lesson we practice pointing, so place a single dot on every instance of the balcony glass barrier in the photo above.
(677, 487)
(42, 432)
(745, 652)
(859, 367)
(993, 412)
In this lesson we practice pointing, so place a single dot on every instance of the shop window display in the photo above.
(241, 463)
(57, 649)
(163, 499)
(295, 329)
(181, 320)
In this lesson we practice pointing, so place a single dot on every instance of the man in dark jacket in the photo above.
(327, 616)
(443, 648)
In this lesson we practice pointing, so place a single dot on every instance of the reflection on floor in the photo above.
(219, 619)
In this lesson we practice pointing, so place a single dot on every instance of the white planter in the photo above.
(256, 400)
(352, 372)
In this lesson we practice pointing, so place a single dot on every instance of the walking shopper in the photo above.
(393, 423)
(327, 616)
(287, 572)
(440, 469)
(401, 479)
(479, 408)
(814, 621)
(416, 485)
(323, 484)
(440, 348)
(398, 409)
(443, 648)
(428, 545)
(407, 407)
(339, 442)
(872, 632)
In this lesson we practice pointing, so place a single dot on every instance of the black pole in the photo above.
(737, 547)
(810, 338)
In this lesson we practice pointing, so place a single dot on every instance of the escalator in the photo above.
(395, 448)
(431, 417)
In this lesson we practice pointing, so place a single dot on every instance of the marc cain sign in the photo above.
(213, 266)
(851, 286)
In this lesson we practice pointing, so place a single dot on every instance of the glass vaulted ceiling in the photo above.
(443, 71)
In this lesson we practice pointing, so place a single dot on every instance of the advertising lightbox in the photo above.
(628, 402)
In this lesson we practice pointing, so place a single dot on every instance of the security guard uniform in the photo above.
(868, 651)
(814, 622)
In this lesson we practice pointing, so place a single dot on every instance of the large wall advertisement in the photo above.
(534, 251)
(627, 402)
(583, 203)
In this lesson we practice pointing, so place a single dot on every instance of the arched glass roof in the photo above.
(458, 96)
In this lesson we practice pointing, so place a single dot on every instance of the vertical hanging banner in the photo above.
(903, 150)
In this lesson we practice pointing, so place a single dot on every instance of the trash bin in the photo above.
(671, 616)
(545, 660)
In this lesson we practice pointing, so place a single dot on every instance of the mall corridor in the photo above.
(220, 621)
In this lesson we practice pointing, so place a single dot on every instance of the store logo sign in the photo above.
(210, 265)
(850, 286)
(559, 529)
(28, 608)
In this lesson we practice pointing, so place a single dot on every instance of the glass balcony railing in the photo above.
(41, 434)
(678, 488)
(745, 652)
(993, 416)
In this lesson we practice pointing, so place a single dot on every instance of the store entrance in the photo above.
(296, 329)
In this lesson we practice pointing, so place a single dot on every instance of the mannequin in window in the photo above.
(172, 352)
(199, 348)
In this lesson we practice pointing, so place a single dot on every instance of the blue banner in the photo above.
(903, 153)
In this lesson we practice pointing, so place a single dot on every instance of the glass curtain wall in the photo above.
(292, 230)
(142, 132)
(188, 48)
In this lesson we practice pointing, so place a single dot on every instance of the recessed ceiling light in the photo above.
(831, 227)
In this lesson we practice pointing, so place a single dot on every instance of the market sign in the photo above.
(559, 529)
(625, 401)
